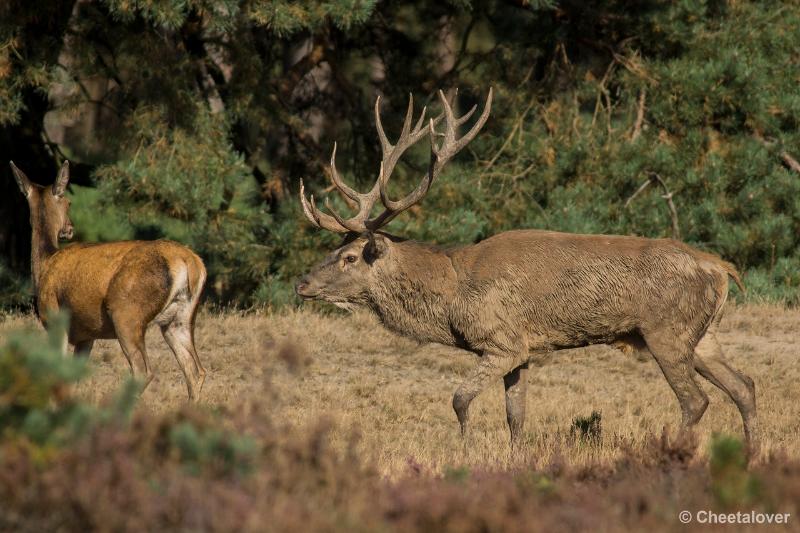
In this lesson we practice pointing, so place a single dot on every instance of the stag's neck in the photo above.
(43, 246)
(413, 293)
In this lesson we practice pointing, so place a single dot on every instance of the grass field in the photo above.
(396, 394)
(318, 422)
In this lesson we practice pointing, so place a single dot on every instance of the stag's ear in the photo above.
(22, 180)
(61, 181)
(377, 246)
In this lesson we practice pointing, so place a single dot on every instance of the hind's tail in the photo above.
(197, 276)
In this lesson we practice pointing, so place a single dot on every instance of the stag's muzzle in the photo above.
(303, 289)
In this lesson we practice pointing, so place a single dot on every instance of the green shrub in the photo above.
(731, 482)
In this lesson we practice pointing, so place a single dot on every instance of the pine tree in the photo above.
(195, 120)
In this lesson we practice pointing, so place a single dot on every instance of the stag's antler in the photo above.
(440, 155)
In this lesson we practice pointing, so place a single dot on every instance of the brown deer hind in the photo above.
(113, 290)
(524, 294)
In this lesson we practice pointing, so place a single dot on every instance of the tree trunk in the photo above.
(23, 142)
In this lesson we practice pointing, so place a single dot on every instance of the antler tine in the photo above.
(320, 220)
(440, 155)
(385, 144)
(451, 146)
(449, 120)
(336, 222)
(395, 208)
(466, 116)
(407, 121)
(354, 224)
(487, 108)
(434, 149)
(408, 137)
(337, 180)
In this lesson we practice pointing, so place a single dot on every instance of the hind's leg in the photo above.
(131, 338)
(178, 335)
(711, 364)
(84, 348)
(676, 359)
(191, 345)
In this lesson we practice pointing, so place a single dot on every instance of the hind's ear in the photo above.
(62, 180)
(22, 180)
(377, 246)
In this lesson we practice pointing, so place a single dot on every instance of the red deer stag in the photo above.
(520, 295)
(114, 290)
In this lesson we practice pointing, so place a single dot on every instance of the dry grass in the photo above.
(397, 394)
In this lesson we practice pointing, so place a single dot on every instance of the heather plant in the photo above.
(244, 468)
(35, 379)
(38, 409)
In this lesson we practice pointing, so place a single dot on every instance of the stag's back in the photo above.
(582, 289)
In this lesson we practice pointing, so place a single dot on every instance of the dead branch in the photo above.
(642, 187)
(787, 158)
(654, 178)
(517, 125)
(602, 94)
(637, 126)
(790, 161)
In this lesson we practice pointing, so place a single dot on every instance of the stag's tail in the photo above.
(717, 263)
(733, 273)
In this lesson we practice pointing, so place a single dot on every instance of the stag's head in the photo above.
(345, 276)
(48, 205)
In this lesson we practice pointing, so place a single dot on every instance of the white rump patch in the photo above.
(179, 297)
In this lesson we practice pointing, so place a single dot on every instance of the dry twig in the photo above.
(637, 126)
(787, 158)
(667, 196)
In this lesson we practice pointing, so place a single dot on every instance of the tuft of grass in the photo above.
(588, 429)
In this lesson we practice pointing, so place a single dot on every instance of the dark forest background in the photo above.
(195, 120)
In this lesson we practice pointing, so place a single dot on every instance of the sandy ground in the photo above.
(396, 394)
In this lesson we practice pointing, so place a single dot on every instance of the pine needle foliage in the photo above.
(209, 114)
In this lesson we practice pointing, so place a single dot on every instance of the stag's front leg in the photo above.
(516, 383)
(491, 367)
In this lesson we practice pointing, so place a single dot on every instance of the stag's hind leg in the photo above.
(711, 364)
(516, 384)
(675, 357)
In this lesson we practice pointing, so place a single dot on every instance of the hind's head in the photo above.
(48, 205)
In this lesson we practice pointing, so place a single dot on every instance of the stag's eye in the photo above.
(351, 259)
